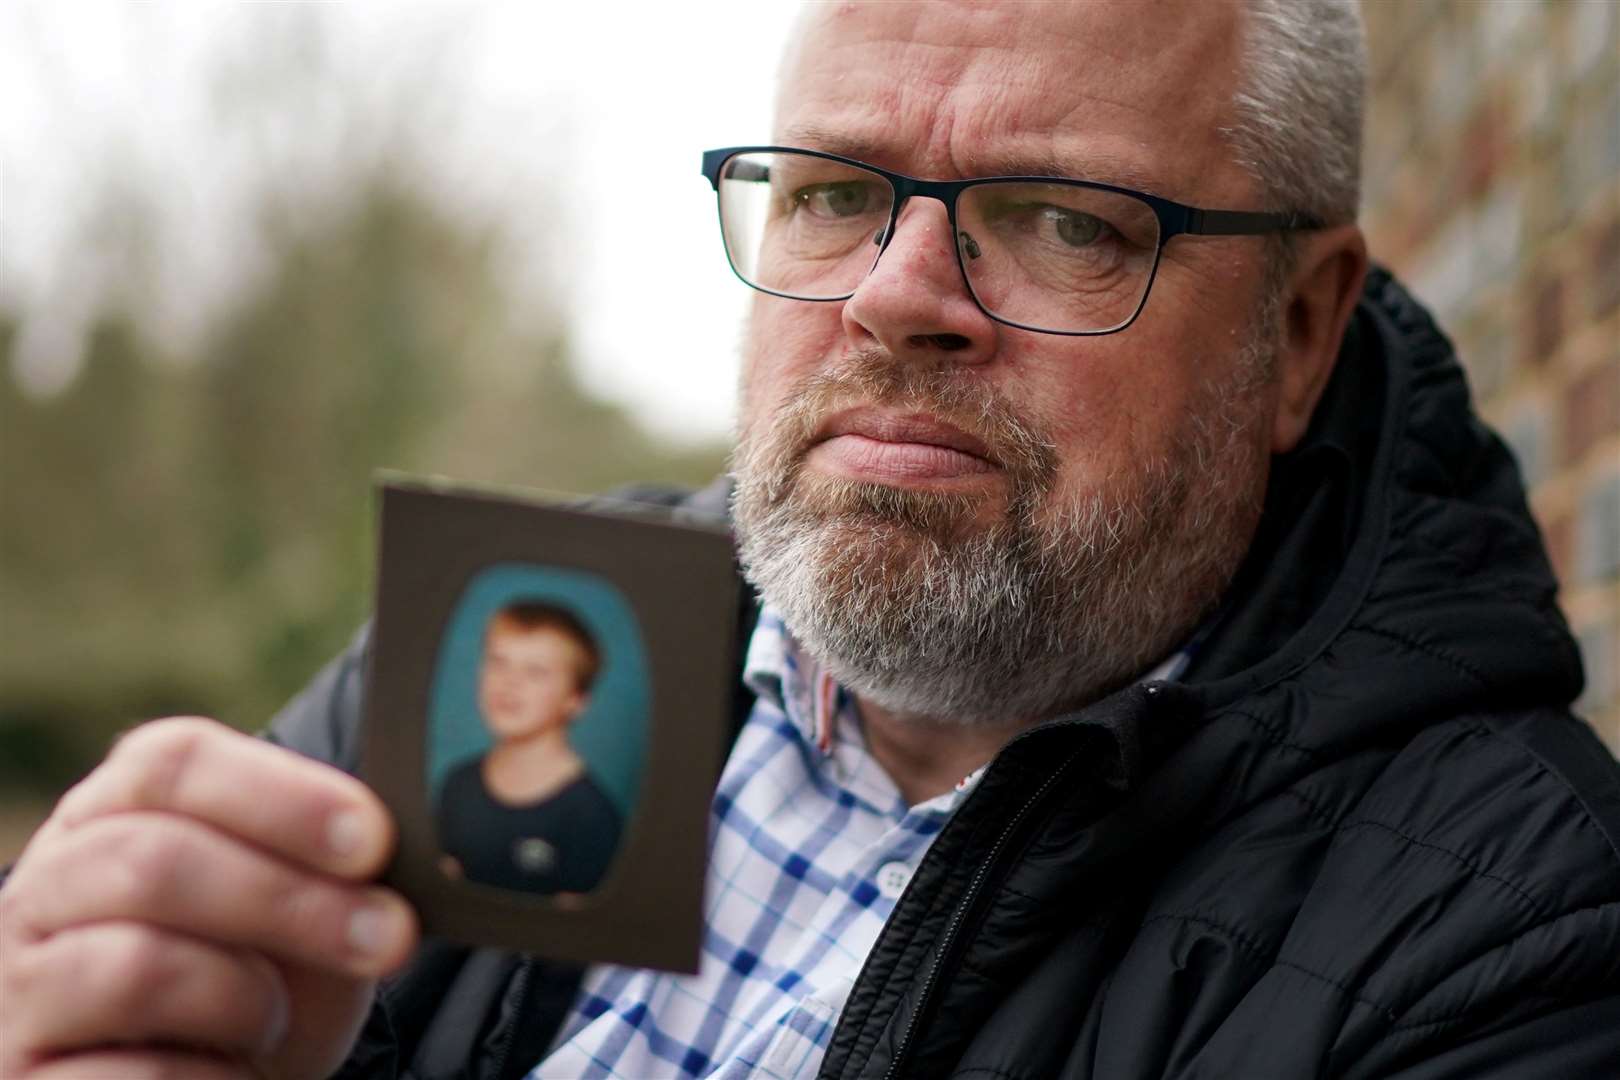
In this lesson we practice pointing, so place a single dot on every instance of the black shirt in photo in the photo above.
(561, 844)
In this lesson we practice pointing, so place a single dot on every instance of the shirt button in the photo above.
(892, 879)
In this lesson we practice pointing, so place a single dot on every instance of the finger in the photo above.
(328, 1014)
(122, 982)
(301, 809)
(143, 1065)
(179, 874)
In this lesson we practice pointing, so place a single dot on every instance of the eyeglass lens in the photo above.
(1048, 256)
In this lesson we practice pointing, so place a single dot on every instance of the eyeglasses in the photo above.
(1047, 254)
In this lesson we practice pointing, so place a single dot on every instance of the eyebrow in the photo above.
(1102, 167)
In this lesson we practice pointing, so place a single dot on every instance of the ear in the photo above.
(1321, 292)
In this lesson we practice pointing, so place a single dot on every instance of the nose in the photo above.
(914, 302)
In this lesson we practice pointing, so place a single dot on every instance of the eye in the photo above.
(1076, 228)
(842, 199)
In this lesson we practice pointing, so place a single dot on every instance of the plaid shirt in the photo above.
(811, 845)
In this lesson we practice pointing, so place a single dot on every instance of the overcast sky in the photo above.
(608, 105)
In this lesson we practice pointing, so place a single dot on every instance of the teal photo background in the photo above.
(611, 735)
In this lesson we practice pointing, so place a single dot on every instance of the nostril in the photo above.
(943, 342)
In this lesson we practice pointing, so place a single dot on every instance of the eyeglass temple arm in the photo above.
(1244, 222)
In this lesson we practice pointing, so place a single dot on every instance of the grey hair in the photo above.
(1299, 104)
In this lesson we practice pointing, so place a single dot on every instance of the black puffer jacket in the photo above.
(1363, 836)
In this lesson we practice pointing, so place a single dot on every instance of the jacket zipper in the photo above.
(960, 915)
(524, 973)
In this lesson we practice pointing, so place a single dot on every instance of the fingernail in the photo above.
(346, 832)
(369, 929)
(276, 1026)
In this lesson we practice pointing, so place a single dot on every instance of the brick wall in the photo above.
(1493, 188)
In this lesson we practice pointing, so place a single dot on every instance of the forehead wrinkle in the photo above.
(1084, 164)
(1088, 164)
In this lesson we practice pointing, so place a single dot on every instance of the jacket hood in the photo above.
(1397, 574)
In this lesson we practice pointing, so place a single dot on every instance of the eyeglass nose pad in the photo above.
(969, 246)
(877, 238)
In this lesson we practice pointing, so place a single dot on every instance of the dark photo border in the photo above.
(681, 585)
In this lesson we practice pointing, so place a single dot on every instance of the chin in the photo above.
(506, 732)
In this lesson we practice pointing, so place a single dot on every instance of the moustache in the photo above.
(872, 377)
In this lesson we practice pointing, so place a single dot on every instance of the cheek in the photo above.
(785, 342)
(1108, 405)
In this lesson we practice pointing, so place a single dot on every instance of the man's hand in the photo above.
(198, 907)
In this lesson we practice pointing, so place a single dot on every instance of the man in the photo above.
(1198, 641)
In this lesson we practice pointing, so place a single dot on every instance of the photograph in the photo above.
(546, 716)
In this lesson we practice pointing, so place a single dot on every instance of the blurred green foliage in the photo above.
(194, 533)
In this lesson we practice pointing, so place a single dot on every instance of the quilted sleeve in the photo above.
(323, 721)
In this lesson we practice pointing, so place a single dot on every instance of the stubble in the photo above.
(926, 605)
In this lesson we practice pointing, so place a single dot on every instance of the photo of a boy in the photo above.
(527, 815)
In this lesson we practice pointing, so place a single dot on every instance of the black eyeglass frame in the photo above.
(1174, 219)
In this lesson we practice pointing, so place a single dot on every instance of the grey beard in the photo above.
(921, 611)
